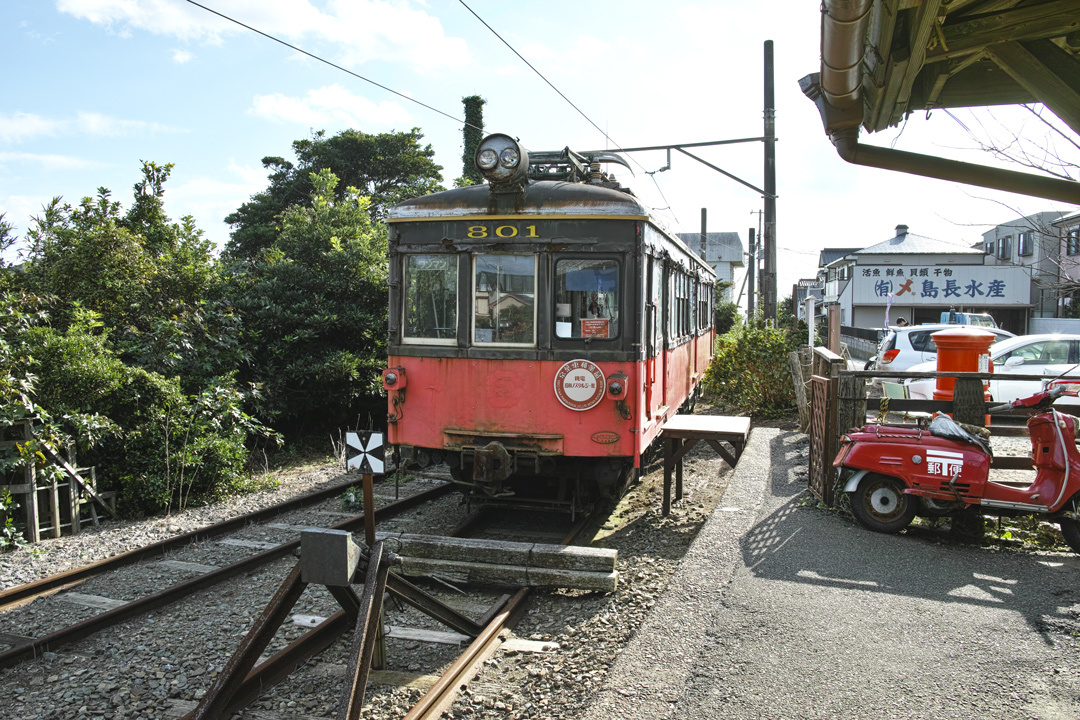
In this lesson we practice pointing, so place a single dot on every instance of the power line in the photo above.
(331, 64)
(550, 84)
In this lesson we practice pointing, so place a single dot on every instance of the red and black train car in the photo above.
(542, 328)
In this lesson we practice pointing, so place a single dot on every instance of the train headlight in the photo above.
(509, 158)
(487, 159)
(394, 378)
(502, 160)
(616, 384)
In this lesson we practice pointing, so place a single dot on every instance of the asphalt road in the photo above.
(784, 610)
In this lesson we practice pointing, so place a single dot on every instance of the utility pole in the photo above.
(750, 270)
(703, 238)
(768, 276)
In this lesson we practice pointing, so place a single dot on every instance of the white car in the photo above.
(903, 347)
(1047, 355)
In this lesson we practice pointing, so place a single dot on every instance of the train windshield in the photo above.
(431, 299)
(587, 299)
(504, 310)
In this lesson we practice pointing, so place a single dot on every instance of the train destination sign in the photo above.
(974, 285)
(580, 384)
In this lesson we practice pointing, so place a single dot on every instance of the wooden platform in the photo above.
(683, 432)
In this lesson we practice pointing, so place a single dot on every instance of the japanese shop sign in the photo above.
(941, 285)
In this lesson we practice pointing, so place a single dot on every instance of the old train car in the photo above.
(542, 328)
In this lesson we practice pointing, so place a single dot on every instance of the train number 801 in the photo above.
(501, 231)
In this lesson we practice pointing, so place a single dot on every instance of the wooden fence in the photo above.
(839, 402)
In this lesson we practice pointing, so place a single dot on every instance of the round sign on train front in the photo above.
(580, 384)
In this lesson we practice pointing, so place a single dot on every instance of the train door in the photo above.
(657, 336)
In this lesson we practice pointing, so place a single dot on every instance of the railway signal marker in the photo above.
(370, 447)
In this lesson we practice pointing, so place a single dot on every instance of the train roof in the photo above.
(541, 197)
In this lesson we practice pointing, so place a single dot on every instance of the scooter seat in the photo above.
(943, 426)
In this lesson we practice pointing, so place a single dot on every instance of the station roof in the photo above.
(885, 59)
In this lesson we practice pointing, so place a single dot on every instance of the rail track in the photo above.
(160, 664)
(24, 647)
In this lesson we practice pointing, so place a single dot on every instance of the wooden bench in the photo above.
(683, 432)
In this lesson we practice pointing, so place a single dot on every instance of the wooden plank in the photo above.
(721, 427)
(509, 575)
(504, 552)
(15, 640)
(438, 637)
(187, 566)
(90, 601)
(529, 646)
(394, 678)
(253, 544)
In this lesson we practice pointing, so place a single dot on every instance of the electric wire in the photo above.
(331, 64)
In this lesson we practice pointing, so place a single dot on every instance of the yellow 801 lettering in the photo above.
(501, 231)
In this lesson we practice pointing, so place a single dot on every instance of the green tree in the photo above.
(473, 133)
(315, 306)
(387, 168)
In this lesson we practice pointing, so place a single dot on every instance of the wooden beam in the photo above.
(925, 22)
(1032, 22)
(1028, 65)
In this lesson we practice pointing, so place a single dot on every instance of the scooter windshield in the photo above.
(941, 425)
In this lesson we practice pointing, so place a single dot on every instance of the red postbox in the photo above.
(962, 349)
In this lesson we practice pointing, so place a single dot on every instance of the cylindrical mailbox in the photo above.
(962, 349)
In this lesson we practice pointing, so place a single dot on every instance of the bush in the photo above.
(726, 317)
(749, 371)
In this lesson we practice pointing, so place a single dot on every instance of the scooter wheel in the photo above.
(879, 504)
(1070, 530)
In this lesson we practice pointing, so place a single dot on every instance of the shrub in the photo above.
(749, 371)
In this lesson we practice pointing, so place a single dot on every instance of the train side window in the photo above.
(586, 299)
(504, 306)
(431, 283)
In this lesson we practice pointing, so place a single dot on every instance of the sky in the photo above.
(94, 87)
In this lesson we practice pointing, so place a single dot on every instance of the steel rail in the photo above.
(78, 631)
(75, 575)
(445, 689)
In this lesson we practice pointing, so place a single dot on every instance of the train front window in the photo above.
(504, 308)
(587, 299)
(431, 299)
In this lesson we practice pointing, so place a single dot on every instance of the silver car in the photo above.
(903, 347)
(1048, 355)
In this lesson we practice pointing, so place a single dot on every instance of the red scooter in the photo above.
(892, 473)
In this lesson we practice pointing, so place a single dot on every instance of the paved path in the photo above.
(783, 610)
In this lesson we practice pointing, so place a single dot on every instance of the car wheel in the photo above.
(871, 364)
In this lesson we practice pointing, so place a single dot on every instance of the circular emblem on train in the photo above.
(580, 385)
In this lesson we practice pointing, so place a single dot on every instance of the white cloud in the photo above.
(16, 127)
(330, 105)
(181, 56)
(46, 162)
(360, 30)
(92, 123)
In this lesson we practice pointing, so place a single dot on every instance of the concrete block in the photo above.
(328, 557)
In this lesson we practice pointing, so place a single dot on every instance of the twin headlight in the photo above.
(501, 159)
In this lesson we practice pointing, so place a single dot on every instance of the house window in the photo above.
(1072, 242)
(988, 247)
(1004, 247)
(1025, 243)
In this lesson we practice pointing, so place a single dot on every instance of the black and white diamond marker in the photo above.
(370, 447)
